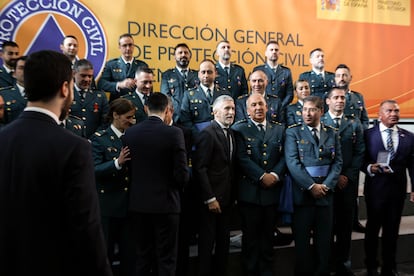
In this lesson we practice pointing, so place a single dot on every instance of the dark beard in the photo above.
(65, 109)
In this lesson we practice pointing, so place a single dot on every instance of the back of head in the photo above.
(157, 103)
(44, 74)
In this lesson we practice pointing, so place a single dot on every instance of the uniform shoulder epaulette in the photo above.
(74, 117)
(11, 88)
(295, 125)
(276, 122)
(272, 96)
(243, 96)
(113, 59)
(331, 127)
(236, 65)
(100, 132)
(242, 121)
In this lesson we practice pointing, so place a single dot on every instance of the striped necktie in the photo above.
(390, 143)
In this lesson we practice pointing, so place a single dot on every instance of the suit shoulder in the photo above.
(112, 61)
(284, 67)
(239, 123)
(239, 67)
(140, 62)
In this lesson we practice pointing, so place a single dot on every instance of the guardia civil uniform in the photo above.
(294, 114)
(140, 114)
(274, 108)
(235, 81)
(279, 82)
(14, 103)
(75, 125)
(311, 162)
(319, 84)
(174, 84)
(112, 185)
(91, 106)
(355, 107)
(6, 78)
(353, 147)
(117, 70)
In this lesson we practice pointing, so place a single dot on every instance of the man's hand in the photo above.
(342, 182)
(268, 180)
(319, 190)
(127, 83)
(214, 207)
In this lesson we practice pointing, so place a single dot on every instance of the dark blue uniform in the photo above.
(319, 86)
(116, 70)
(140, 114)
(6, 79)
(235, 82)
(75, 125)
(274, 106)
(355, 107)
(92, 110)
(14, 103)
(294, 114)
(174, 85)
(279, 82)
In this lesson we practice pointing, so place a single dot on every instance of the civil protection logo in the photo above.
(42, 24)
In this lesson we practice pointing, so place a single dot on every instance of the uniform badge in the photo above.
(95, 107)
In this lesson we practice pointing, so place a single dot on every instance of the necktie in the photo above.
(262, 130)
(390, 143)
(145, 98)
(82, 94)
(229, 142)
(128, 66)
(321, 77)
(274, 69)
(227, 69)
(209, 95)
(336, 122)
(315, 135)
(184, 73)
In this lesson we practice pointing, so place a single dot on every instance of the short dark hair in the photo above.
(208, 60)
(8, 44)
(144, 69)
(329, 94)
(315, 50)
(182, 45)
(44, 74)
(119, 106)
(17, 59)
(314, 99)
(298, 81)
(69, 36)
(389, 101)
(157, 102)
(125, 35)
(82, 63)
(342, 66)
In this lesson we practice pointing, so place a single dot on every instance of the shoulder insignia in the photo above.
(243, 96)
(295, 125)
(100, 132)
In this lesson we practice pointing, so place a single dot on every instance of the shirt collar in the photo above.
(257, 123)
(333, 116)
(222, 65)
(205, 87)
(382, 127)
(116, 131)
(318, 127)
(44, 111)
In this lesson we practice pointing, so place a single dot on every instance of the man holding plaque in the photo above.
(386, 185)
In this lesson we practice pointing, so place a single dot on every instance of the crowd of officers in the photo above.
(314, 144)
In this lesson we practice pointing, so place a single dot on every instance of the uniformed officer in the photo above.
(14, 96)
(144, 78)
(9, 54)
(230, 76)
(258, 83)
(112, 178)
(320, 81)
(196, 108)
(279, 76)
(353, 147)
(355, 105)
(1, 112)
(314, 160)
(75, 125)
(175, 81)
(118, 75)
(294, 110)
(260, 155)
(89, 105)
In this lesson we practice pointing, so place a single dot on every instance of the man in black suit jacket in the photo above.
(49, 208)
(213, 171)
(158, 171)
(386, 185)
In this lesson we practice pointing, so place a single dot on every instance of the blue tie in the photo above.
(390, 143)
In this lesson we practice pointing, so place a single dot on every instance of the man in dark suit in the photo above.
(386, 185)
(118, 75)
(177, 80)
(260, 156)
(279, 76)
(158, 172)
(314, 160)
(91, 106)
(320, 81)
(48, 203)
(353, 147)
(9, 54)
(144, 78)
(230, 76)
(213, 171)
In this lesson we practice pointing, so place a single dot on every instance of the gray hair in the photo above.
(220, 100)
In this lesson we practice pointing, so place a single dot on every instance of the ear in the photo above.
(65, 90)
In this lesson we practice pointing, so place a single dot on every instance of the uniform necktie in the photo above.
(274, 69)
(209, 95)
(315, 135)
(145, 98)
(227, 69)
(184, 73)
(262, 130)
(390, 143)
(336, 122)
(321, 77)
(128, 66)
